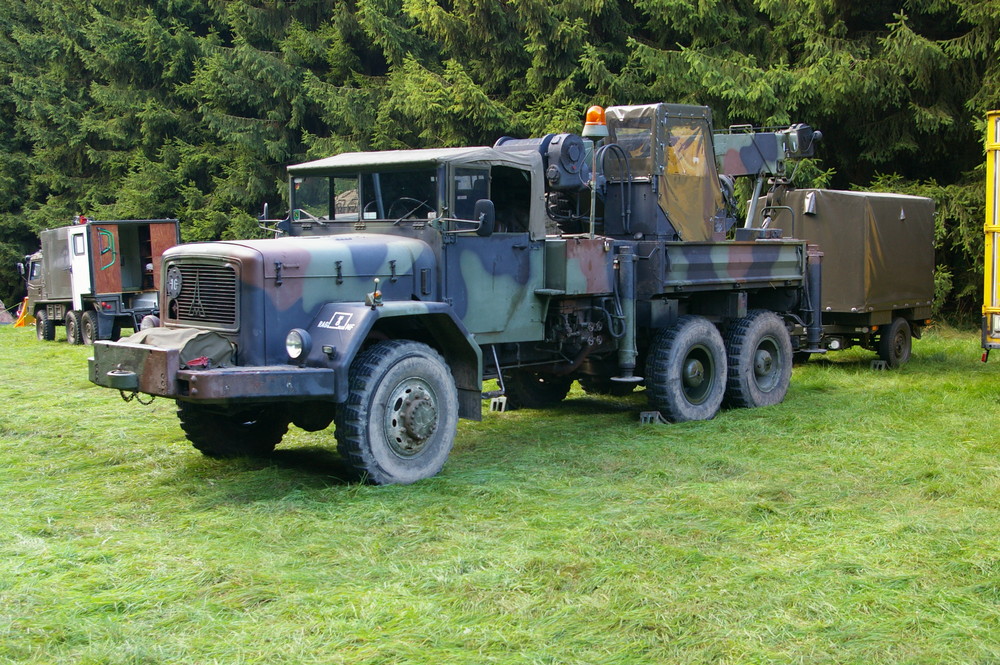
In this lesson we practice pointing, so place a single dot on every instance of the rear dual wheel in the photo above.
(759, 349)
(73, 333)
(88, 327)
(686, 370)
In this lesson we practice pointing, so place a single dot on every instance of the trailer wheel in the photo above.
(218, 433)
(686, 370)
(88, 327)
(73, 334)
(531, 390)
(45, 328)
(759, 349)
(895, 343)
(399, 423)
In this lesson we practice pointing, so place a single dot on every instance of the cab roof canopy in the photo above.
(352, 162)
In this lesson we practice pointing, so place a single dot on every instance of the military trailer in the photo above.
(403, 280)
(878, 264)
(96, 277)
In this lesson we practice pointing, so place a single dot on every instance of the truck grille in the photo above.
(209, 295)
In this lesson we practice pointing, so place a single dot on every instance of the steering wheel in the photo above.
(412, 205)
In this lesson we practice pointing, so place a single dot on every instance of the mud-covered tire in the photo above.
(73, 334)
(88, 327)
(759, 352)
(686, 370)
(398, 424)
(45, 328)
(895, 343)
(219, 433)
(530, 390)
(602, 385)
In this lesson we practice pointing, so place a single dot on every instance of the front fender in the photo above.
(340, 330)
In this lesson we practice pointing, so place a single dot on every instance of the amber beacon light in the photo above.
(595, 126)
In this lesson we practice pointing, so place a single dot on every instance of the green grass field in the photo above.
(858, 522)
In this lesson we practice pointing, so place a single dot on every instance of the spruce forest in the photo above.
(193, 108)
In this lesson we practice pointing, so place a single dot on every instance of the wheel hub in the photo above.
(763, 362)
(411, 417)
(694, 373)
(419, 417)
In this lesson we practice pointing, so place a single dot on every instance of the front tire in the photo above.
(759, 349)
(219, 433)
(45, 328)
(399, 423)
(895, 344)
(686, 370)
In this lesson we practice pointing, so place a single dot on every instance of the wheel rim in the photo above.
(411, 417)
(697, 374)
(767, 364)
(899, 344)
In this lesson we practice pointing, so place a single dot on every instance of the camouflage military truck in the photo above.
(405, 279)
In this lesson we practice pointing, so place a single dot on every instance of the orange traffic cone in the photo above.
(23, 318)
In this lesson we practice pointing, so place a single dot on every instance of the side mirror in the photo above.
(20, 269)
(486, 213)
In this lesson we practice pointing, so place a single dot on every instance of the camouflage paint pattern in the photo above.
(708, 266)
(746, 152)
(458, 291)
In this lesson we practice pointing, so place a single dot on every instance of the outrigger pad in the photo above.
(652, 418)
(197, 348)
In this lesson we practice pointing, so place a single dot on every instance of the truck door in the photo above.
(162, 237)
(79, 262)
(491, 281)
(105, 258)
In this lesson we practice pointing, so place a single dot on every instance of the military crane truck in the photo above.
(96, 277)
(405, 279)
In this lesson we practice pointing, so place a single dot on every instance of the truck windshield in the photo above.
(389, 195)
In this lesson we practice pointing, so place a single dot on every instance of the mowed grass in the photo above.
(858, 522)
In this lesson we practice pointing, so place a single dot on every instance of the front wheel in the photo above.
(220, 433)
(895, 343)
(45, 328)
(399, 423)
(686, 370)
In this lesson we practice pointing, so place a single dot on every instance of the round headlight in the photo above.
(297, 344)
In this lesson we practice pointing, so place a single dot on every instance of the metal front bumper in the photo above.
(156, 371)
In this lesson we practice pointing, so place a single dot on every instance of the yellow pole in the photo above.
(991, 271)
